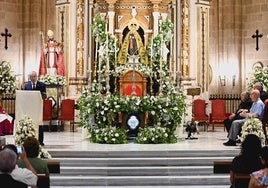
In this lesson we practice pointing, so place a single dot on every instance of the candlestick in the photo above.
(152, 51)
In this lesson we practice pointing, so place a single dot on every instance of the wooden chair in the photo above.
(218, 114)
(43, 181)
(67, 112)
(199, 111)
(47, 112)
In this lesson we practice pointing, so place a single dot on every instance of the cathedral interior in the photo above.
(207, 46)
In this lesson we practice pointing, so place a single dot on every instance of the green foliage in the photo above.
(163, 111)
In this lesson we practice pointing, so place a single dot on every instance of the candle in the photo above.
(114, 48)
(152, 51)
(96, 52)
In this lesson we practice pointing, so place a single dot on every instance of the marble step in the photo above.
(183, 186)
(140, 180)
(139, 168)
(144, 154)
(137, 171)
(137, 162)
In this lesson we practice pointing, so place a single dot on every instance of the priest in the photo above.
(6, 123)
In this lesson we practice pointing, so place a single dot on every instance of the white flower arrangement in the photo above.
(53, 80)
(26, 128)
(7, 81)
(124, 68)
(258, 75)
(154, 135)
(253, 126)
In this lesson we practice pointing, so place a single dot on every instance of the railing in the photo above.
(8, 103)
(232, 101)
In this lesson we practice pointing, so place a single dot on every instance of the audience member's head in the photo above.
(251, 146)
(8, 160)
(264, 156)
(11, 147)
(245, 95)
(255, 95)
(258, 86)
(31, 146)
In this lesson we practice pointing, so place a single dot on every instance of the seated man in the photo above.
(256, 111)
(25, 175)
(6, 123)
(8, 160)
(245, 104)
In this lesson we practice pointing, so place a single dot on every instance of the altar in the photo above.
(132, 92)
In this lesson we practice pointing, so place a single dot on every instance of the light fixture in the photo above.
(222, 80)
(234, 76)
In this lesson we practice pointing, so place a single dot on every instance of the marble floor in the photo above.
(78, 141)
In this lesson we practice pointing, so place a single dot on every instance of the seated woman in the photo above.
(6, 123)
(260, 178)
(31, 146)
(248, 160)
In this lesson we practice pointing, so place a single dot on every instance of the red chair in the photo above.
(47, 112)
(218, 114)
(67, 112)
(199, 111)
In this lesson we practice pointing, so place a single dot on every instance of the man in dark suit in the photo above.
(34, 84)
(245, 104)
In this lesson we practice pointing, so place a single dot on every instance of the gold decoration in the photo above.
(123, 53)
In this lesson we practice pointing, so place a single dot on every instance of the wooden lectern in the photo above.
(29, 103)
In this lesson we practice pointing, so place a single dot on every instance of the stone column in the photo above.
(111, 15)
(203, 76)
(156, 21)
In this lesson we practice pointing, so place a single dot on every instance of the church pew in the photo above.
(43, 181)
(221, 167)
(241, 180)
(53, 166)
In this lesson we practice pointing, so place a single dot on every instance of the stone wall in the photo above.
(232, 48)
(24, 19)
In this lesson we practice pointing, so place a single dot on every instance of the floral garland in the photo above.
(253, 126)
(163, 111)
(53, 80)
(7, 81)
(120, 70)
(26, 128)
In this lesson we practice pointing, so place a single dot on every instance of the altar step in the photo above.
(139, 168)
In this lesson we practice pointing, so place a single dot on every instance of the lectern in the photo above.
(29, 103)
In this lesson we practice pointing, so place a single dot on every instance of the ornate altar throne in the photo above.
(127, 87)
(126, 83)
